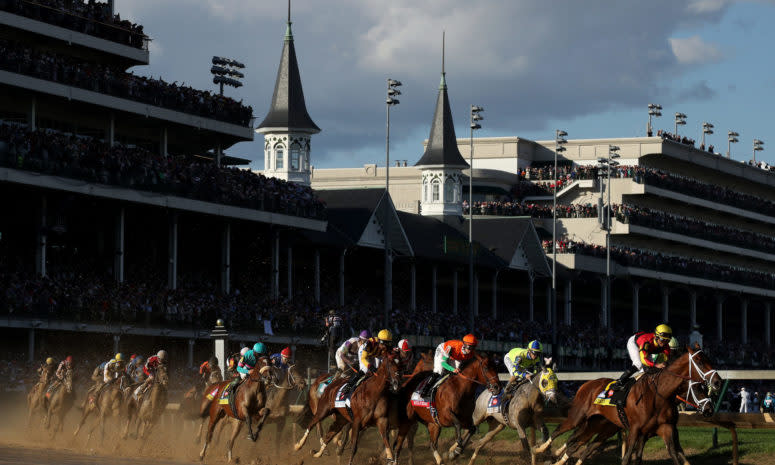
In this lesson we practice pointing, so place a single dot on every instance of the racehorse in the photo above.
(369, 406)
(144, 412)
(525, 409)
(650, 408)
(60, 402)
(36, 401)
(282, 382)
(249, 404)
(454, 404)
(105, 402)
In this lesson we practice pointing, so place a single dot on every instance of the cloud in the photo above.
(707, 6)
(694, 51)
(700, 91)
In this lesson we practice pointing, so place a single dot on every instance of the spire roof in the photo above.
(288, 108)
(442, 142)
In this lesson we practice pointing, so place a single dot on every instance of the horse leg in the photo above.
(487, 438)
(571, 422)
(209, 436)
(356, 430)
(632, 439)
(598, 442)
(264, 412)
(457, 447)
(341, 439)
(639, 450)
(667, 434)
(382, 425)
(322, 412)
(335, 427)
(434, 431)
(410, 443)
(236, 427)
(679, 449)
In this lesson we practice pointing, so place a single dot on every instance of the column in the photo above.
(341, 277)
(116, 340)
(603, 303)
(692, 309)
(40, 249)
(191, 343)
(767, 324)
(568, 301)
(454, 292)
(290, 273)
(744, 321)
(665, 304)
(219, 154)
(433, 289)
(110, 137)
(635, 306)
(163, 142)
(118, 258)
(226, 258)
(172, 267)
(476, 294)
(719, 319)
(413, 287)
(32, 118)
(317, 276)
(531, 295)
(31, 345)
(548, 301)
(276, 265)
(495, 294)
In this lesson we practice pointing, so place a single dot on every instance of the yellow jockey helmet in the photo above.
(385, 336)
(664, 332)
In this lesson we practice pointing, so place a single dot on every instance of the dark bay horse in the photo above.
(249, 405)
(650, 409)
(369, 406)
(454, 401)
(60, 402)
(281, 384)
(147, 411)
(105, 402)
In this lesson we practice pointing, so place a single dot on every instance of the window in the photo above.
(435, 190)
(295, 157)
(425, 191)
(449, 190)
(279, 154)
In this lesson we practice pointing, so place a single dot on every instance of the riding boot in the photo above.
(429, 385)
(621, 382)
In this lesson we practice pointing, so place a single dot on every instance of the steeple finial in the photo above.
(443, 83)
(288, 33)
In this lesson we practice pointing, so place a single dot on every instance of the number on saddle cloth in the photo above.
(426, 390)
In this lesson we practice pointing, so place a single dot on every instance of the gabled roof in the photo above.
(288, 108)
(442, 143)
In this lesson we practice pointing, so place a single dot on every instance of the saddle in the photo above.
(52, 388)
(613, 396)
(426, 390)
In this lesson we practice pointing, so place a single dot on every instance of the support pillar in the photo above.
(31, 345)
(568, 307)
(163, 142)
(116, 341)
(692, 309)
(603, 303)
(413, 287)
(531, 291)
(191, 343)
(276, 265)
(40, 249)
(219, 154)
(110, 137)
(118, 258)
(548, 301)
(495, 294)
(719, 319)
(32, 117)
(433, 289)
(341, 278)
(290, 273)
(635, 306)
(226, 259)
(454, 292)
(172, 266)
(317, 276)
(476, 294)
(767, 324)
(744, 321)
(665, 304)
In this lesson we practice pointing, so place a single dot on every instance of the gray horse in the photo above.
(526, 409)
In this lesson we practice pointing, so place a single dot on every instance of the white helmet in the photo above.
(162, 354)
(243, 351)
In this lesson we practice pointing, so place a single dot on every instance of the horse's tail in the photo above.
(304, 417)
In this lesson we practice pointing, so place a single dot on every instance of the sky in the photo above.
(588, 67)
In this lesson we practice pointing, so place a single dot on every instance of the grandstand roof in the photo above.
(513, 239)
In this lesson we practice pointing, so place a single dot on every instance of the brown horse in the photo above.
(650, 409)
(282, 383)
(369, 406)
(146, 411)
(454, 401)
(105, 402)
(249, 404)
(59, 403)
(36, 402)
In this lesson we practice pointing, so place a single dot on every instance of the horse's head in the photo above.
(390, 367)
(295, 379)
(482, 371)
(701, 369)
(162, 377)
(68, 380)
(547, 384)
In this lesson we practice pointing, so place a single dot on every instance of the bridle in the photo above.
(489, 385)
(706, 376)
(289, 377)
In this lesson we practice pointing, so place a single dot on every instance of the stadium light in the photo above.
(225, 71)
(559, 142)
(758, 145)
(605, 222)
(474, 125)
(707, 128)
(390, 100)
(732, 138)
(655, 110)
(680, 120)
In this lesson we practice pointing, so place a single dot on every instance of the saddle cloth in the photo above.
(211, 395)
(342, 398)
(324, 384)
(610, 397)
(494, 404)
(418, 400)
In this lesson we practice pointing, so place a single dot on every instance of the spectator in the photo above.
(695, 337)
(768, 404)
(745, 398)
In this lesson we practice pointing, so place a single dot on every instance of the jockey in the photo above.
(246, 363)
(456, 351)
(642, 346)
(347, 354)
(113, 369)
(150, 367)
(46, 371)
(368, 361)
(521, 363)
(231, 366)
(261, 353)
(283, 359)
(405, 355)
(97, 375)
(210, 371)
(63, 366)
(135, 370)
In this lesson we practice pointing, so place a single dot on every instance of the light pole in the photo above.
(655, 111)
(475, 118)
(732, 137)
(680, 120)
(224, 71)
(707, 128)
(609, 162)
(758, 145)
(559, 142)
(392, 91)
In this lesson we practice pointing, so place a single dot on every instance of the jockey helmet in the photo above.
(663, 332)
(385, 336)
(286, 352)
(162, 354)
(673, 343)
(404, 346)
(50, 361)
(243, 351)
(119, 357)
(535, 346)
(259, 348)
(69, 359)
(365, 334)
(470, 339)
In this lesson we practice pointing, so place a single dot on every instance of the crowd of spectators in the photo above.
(92, 160)
(509, 208)
(109, 79)
(675, 138)
(653, 260)
(641, 216)
(761, 165)
(93, 18)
